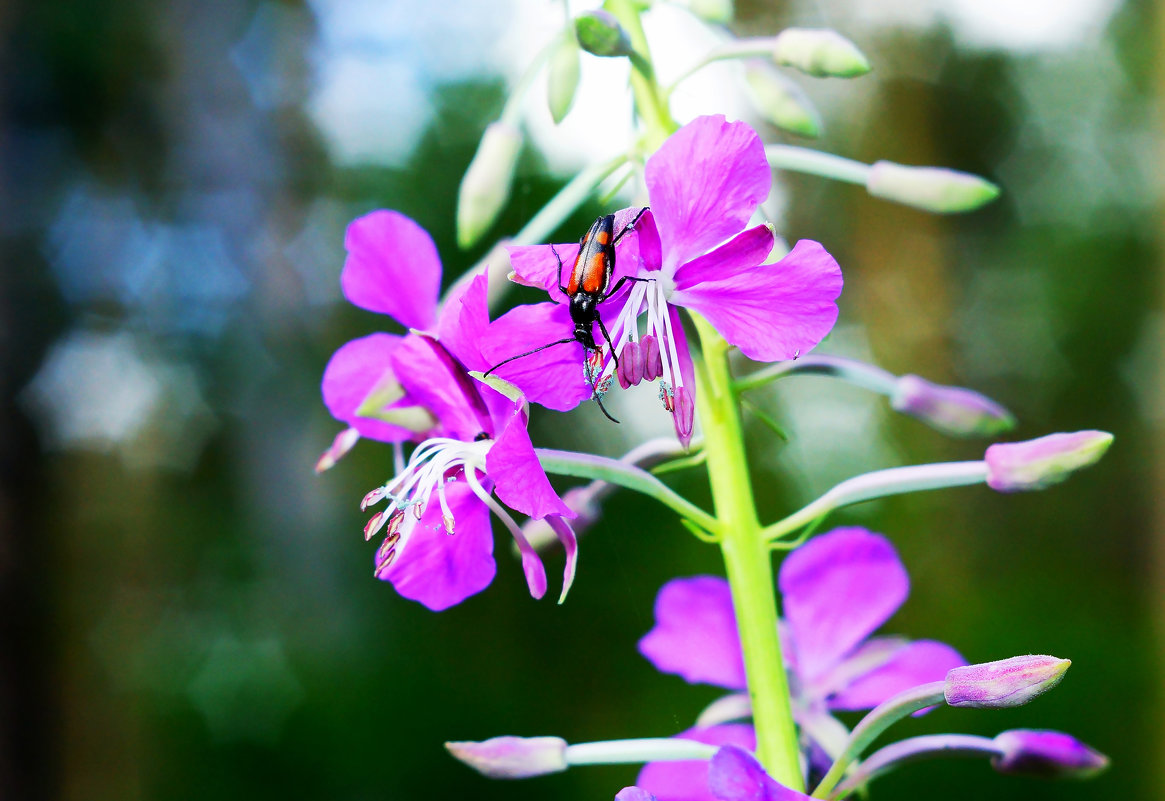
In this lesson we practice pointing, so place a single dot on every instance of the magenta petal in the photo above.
(774, 311)
(838, 588)
(537, 266)
(705, 182)
(436, 382)
(392, 268)
(735, 775)
(917, 663)
(695, 633)
(440, 569)
(688, 780)
(352, 373)
(739, 255)
(518, 477)
(464, 321)
(569, 541)
(553, 377)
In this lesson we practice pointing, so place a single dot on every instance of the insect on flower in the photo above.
(588, 286)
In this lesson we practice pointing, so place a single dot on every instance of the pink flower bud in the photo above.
(1050, 754)
(930, 188)
(952, 410)
(512, 757)
(1006, 683)
(1039, 463)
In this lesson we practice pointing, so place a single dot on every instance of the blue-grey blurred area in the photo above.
(188, 612)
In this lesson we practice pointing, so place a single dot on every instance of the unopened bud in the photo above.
(600, 34)
(934, 189)
(781, 101)
(486, 185)
(562, 78)
(820, 52)
(684, 415)
(634, 794)
(343, 442)
(1049, 754)
(512, 757)
(952, 410)
(1002, 684)
(717, 11)
(1039, 463)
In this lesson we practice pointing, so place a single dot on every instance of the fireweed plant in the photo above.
(706, 276)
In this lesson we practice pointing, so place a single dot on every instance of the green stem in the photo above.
(650, 99)
(747, 562)
(880, 718)
(814, 162)
(614, 471)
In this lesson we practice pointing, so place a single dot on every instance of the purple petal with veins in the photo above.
(352, 373)
(438, 569)
(695, 633)
(774, 311)
(705, 182)
(392, 268)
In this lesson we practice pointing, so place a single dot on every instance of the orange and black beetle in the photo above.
(588, 286)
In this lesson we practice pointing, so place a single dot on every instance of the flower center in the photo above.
(435, 463)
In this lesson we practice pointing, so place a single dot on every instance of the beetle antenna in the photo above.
(527, 353)
(599, 400)
(630, 226)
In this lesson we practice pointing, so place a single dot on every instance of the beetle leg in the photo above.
(630, 226)
(619, 285)
(561, 288)
(607, 337)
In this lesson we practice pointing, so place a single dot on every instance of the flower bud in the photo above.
(1002, 684)
(820, 52)
(934, 189)
(1049, 754)
(600, 34)
(343, 443)
(512, 757)
(562, 78)
(952, 410)
(634, 793)
(781, 101)
(1039, 463)
(486, 185)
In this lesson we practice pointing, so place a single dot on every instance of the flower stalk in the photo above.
(747, 562)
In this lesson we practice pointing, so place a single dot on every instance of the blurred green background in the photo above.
(188, 612)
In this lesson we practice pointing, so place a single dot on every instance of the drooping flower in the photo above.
(471, 439)
(693, 250)
(836, 590)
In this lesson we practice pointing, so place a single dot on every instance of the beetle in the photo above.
(589, 285)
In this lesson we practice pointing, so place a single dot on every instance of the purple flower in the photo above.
(836, 590)
(735, 775)
(1050, 754)
(473, 443)
(693, 250)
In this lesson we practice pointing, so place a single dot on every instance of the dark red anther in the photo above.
(652, 362)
